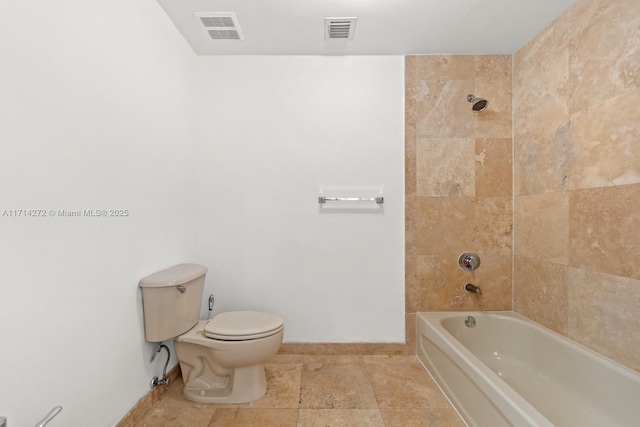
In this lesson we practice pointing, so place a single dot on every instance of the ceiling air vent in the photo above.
(339, 28)
(220, 25)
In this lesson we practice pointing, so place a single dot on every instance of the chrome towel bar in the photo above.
(323, 199)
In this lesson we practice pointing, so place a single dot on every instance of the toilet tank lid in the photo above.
(172, 276)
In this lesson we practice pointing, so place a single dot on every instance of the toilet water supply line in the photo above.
(164, 381)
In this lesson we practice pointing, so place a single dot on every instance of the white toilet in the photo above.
(222, 359)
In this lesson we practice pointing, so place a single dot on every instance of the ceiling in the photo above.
(384, 27)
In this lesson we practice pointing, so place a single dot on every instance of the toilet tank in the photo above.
(171, 300)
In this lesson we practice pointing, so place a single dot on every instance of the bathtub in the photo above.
(509, 371)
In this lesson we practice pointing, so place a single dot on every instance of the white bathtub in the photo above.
(509, 371)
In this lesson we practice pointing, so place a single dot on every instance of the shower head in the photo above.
(479, 104)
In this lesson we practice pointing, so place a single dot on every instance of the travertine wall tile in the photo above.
(541, 224)
(577, 176)
(445, 225)
(412, 294)
(541, 164)
(494, 68)
(575, 172)
(410, 170)
(444, 111)
(541, 120)
(541, 72)
(493, 167)
(495, 279)
(441, 67)
(493, 228)
(493, 82)
(605, 51)
(445, 167)
(604, 230)
(605, 141)
(603, 314)
(411, 209)
(460, 162)
(541, 292)
(553, 38)
(441, 285)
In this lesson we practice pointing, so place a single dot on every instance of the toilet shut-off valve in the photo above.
(155, 381)
(211, 301)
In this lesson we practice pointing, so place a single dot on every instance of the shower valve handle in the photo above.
(468, 261)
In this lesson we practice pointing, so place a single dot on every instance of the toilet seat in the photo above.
(243, 325)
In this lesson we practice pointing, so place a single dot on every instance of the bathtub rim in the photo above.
(433, 321)
(498, 390)
(522, 319)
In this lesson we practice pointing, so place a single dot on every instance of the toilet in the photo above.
(222, 359)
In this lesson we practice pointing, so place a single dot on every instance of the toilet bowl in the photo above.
(222, 359)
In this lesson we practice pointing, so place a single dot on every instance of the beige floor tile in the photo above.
(177, 417)
(283, 386)
(427, 417)
(340, 359)
(286, 358)
(254, 417)
(339, 418)
(329, 390)
(400, 358)
(283, 390)
(330, 386)
(173, 397)
(401, 386)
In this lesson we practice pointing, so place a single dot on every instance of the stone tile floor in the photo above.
(367, 391)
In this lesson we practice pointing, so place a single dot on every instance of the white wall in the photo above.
(96, 112)
(274, 130)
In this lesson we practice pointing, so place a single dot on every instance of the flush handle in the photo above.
(182, 289)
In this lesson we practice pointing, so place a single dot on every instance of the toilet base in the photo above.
(218, 371)
(244, 384)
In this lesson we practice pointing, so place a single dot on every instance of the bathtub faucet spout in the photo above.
(470, 287)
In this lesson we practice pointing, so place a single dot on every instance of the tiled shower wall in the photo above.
(577, 177)
(458, 181)
(576, 173)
